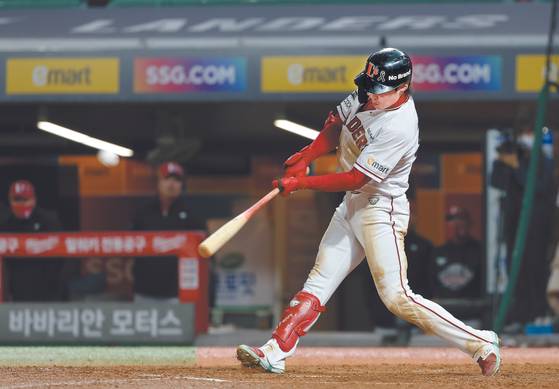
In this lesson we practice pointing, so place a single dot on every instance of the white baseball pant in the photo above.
(374, 226)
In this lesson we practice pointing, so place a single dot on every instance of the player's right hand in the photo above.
(286, 185)
(296, 165)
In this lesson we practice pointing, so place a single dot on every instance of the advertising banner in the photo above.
(463, 73)
(336, 73)
(310, 74)
(204, 54)
(62, 76)
(77, 244)
(112, 323)
(187, 75)
(530, 72)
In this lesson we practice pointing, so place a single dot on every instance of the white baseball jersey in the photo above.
(379, 143)
(373, 222)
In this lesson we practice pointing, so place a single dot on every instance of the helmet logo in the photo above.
(381, 77)
(372, 70)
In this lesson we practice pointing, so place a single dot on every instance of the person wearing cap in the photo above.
(456, 266)
(31, 279)
(157, 278)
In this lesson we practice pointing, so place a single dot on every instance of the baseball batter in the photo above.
(376, 132)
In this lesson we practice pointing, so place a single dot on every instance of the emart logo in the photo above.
(298, 74)
(377, 166)
(44, 76)
(314, 73)
(67, 75)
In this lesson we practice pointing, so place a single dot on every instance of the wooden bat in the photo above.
(224, 233)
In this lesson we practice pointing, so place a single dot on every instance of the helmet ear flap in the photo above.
(362, 95)
(361, 89)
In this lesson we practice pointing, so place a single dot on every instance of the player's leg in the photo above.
(299, 316)
(381, 229)
(339, 253)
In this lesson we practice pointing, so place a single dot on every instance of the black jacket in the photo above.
(33, 279)
(40, 220)
(158, 276)
(456, 270)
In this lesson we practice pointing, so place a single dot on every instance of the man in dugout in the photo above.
(456, 265)
(31, 279)
(156, 278)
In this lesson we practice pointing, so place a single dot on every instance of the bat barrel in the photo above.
(223, 234)
(204, 251)
(216, 240)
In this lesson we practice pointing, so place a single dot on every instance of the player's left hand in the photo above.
(287, 185)
(297, 165)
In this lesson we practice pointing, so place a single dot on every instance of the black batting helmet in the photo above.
(385, 70)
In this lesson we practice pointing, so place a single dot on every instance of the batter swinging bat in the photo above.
(214, 242)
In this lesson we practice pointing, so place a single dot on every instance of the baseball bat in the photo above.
(224, 233)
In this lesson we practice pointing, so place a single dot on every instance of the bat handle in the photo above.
(260, 203)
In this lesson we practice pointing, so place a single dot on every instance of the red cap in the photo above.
(167, 169)
(22, 189)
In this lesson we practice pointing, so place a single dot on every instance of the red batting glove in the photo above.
(287, 185)
(297, 165)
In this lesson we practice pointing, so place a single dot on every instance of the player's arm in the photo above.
(375, 162)
(326, 141)
(336, 182)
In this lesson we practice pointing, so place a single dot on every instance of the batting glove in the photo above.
(287, 185)
(297, 165)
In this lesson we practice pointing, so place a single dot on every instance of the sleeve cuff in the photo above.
(368, 173)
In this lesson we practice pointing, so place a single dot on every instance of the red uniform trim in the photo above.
(401, 101)
(367, 171)
(402, 281)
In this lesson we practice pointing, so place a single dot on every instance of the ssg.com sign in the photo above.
(62, 76)
(466, 73)
(182, 75)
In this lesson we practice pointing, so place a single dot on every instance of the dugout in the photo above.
(205, 87)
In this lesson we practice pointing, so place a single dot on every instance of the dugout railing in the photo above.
(45, 319)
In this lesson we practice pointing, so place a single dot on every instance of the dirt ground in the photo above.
(349, 368)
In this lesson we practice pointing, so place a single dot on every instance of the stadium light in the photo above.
(84, 139)
(295, 128)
